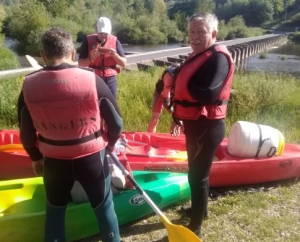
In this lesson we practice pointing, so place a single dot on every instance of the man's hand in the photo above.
(94, 54)
(176, 129)
(110, 148)
(38, 167)
(112, 51)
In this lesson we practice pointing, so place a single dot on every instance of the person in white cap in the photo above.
(102, 51)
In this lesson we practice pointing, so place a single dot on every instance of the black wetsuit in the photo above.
(204, 135)
(91, 171)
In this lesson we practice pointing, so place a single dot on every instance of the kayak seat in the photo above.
(9, 138)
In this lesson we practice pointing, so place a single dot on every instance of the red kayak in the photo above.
(161, 152)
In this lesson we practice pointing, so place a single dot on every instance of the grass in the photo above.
(238, 214)
(8, 60)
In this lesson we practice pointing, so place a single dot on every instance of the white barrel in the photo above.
(252, 140)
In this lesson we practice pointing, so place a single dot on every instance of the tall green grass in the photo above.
(8, 60)
(9, 91)
(268, 99)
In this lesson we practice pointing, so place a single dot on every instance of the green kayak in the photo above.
(22, 206)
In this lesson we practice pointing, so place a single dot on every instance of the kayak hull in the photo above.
(22, 206)
(162, 152)
(227, 170)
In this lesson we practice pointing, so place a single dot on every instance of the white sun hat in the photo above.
(103, 25)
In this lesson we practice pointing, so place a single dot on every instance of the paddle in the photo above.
(179, 157)
(176, 233)
(33, 62)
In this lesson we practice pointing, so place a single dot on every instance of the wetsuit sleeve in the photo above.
(84, 50)
(206, 84)
(120, 49)
(28, 134)
(109, 111)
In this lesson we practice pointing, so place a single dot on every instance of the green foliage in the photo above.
(8, 60)
(2, 15)
(208, 6)
(134, 21)
(283, 57)
(266, 99)
(153, 36)
(223, 31)
(57, 8)
(9, 88)
(263, 55)
(295, 19)
(72, 27)
(186, 7)
(295, 37)
(181, 20)
(237, 28)
(262, 10)
(31, 21)
(231, 9)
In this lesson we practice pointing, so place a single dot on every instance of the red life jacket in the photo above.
(186, 107)
(104, 65)
(64, 108)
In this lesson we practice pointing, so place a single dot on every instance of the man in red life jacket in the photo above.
(201, 95)
(164, 90)
(61, 110)
(103, 52)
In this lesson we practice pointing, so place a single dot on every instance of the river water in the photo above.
(280, 59)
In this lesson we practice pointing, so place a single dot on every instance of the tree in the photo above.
(181, 20)
(160, 8)
(2, 17)
(57, 8)
(232, 8)
(208, 6)
(287, 3)
(278, 8)
(31, 21)
(138, 7)
(237, 28)
(261, 9)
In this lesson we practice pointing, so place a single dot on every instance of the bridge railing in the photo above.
(239, 52)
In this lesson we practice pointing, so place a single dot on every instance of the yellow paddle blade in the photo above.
(11, 148)
(179, 156)
(178, 233)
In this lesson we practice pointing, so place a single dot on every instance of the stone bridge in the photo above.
(238, 51)
(239, 48)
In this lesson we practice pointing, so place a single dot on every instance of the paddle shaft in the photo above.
(176, 233)
(33, 62)
(134, 183)
(159, 156)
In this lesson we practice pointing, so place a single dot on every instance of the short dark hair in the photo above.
(57, 42)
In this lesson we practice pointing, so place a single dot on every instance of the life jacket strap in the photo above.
(186, 103)
(103, 67)
(85, 139)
